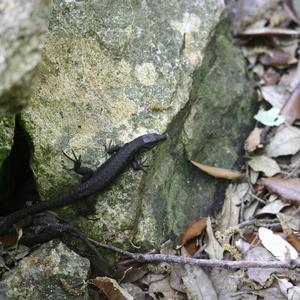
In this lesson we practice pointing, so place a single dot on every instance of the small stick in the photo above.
(148, 257)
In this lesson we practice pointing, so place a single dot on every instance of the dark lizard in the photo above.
(102, 177)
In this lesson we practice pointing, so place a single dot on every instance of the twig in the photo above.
(139, 257)
(259, 223)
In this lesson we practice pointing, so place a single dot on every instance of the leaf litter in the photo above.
(253, 225)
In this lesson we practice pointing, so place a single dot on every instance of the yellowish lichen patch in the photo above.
(146, 74)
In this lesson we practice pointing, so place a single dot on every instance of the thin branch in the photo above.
(148, 257)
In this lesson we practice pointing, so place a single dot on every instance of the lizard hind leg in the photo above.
(111, 149)
(139, 165)
(85, 172)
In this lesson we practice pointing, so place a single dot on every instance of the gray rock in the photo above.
(118, 70)
(23, 26)
(6, 136)
(39, 275)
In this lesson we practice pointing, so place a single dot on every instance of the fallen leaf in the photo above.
(260, 254)
(285, 142)
(111, 289)
(132, 289)
(249, 211)
(271, 77)
(270, 294)
(288, 289)
(277, 57)
(294, 79)
(280, 248)
(268, 32)
(226, 282)
(270, 117)
(229, 216)
(253, 176)
(262, 163)
(291, 109)
(161, 287)
(177, 272)
(294, 241)
(273, 208)
(218, 172)
(193, 230)
(253, 140)
(291, 221)
(213, 249)
(276, 95)
(197, 284)
(287, 189)
(290, 11)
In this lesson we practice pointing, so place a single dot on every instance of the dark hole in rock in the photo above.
(17, 182)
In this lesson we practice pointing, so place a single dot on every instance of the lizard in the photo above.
(93, 182)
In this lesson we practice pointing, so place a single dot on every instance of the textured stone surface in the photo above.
(6, 137)
(38, 275)
(23, 26)
(211, 130)
(113, 72)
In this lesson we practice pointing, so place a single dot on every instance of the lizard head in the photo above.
(152, 139)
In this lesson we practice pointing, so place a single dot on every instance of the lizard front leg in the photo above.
(85, 172)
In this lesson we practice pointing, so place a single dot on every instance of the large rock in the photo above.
(23, 27)
(120, 70)
(40, 275)
(6, 137)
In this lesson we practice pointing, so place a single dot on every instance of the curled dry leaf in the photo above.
(270, 117)
(213, 249)
(291, 221)
(218, 172)
(229, 216)
(262, 163)
(277, 57)
(272, 207)
(193, 230)
(291, 109)
(290, 236)
(197, 284)
(259, 253)
(111, 289)
(276, 95)
(253, 140)
(290, 11)
(287, 189)
(265, 31)
(294, 241)
(285, 142)
(280, 248)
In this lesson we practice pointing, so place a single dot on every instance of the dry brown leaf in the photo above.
(276, 95)
(279, 247)
(218, 172)
(229, 216)
(290, 11)
(291, 109)
(265, 164)
(161, 287)
(213, 248)
(271, 77)
(253, 140)
(294, 241)
(277, 57)
(290, 236)
(111, 289)
(273, 207)
(285, 142)
(267, 31)
(287, 189)
(193, 230)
